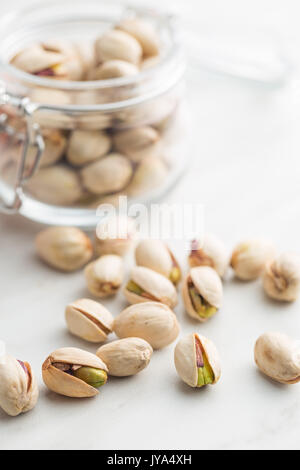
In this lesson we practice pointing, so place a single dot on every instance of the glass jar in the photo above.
(39, 116)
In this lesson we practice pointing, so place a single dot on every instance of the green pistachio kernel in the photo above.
(133, 287)
(94, 377)
(175, 275)
(202, 307)
(205, 374)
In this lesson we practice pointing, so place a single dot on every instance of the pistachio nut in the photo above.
(18, 387)
(105, 275)
(86, 146)
(107, 175)
(138, 143)
(55, 145)
(155, 255)
(57, 185)
(118, 45)
(278, 357)
(150, 174)
(281, 277)
(64, 248)
(89, 320)
(114, 69)
(146, 284)
(209, 252)
(74, 373)
(144, 33)
(249, 258)
(202, 293)
(126, 356)
(197, 361)
(152, 321)
(115, 235)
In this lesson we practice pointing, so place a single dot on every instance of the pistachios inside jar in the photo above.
(105, 95)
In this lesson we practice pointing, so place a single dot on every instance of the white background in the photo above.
(246, 170)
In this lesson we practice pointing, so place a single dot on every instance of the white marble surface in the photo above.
(246, 171)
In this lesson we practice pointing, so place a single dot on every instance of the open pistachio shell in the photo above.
(89, 320)
(105, 275)
(278, 357)
(202, 293)
(210, 252)
(146, 284)
(126, 356)
(18, 387)
(152, 321)
(59, 367)
(194, 352)
(144, 33)
(281, 277)
(155, 255)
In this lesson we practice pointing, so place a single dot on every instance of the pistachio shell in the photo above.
(155, 255)
(104, 276)
(34, 59)
(114, 69)
(281, 277)
(211, 252)
(278, 357)
(18, 388)
(86, 146)
(58, 185)
(108, 236)
(66, 384)
(150, 174)
(156, 287)
(152, 321)
(138, 143)
(249, 258)
(55, 145)
(108, 175)
(89, 320)
(144, 33)
(186, 359)
(64, 248)
(126, 356)
(209, 286)
(118, 45)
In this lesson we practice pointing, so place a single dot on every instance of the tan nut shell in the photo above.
(125, 357)
(153, 283)
(152, 321)
(281, 278)
(108, 233)
(15, 398)
(86, 146)
(34, 59)
(143, 32)
(278, 357)
(107, 175)
(209, 286)
(212, 253)
(64, 248)
(104, 276)
(138, 143)
(65, 384)
(155, 255)
(114, 69)
(89, 320)
(249, 258)
(185, 358)
(150, 174)
(118, 45)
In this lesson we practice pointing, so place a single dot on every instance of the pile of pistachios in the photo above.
(149, 322)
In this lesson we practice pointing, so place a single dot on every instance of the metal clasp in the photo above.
(32, 139)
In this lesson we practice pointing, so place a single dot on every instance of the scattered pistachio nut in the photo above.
(18, 387)
(114, 69)
(105, 275)
(146, 284)
(115, 235)
(89, 320)
(138, 143)
(152, 321)
(125, 357)
(118, 45)
(250, 257)
(86, 146)
(202, 293)
(278, 357)
(74, 373)
(107, 175)
(64, 248)
(209, 252)
(149, 175)
(155, 255)
(281, 277)
(197, 361)
(144, 33)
